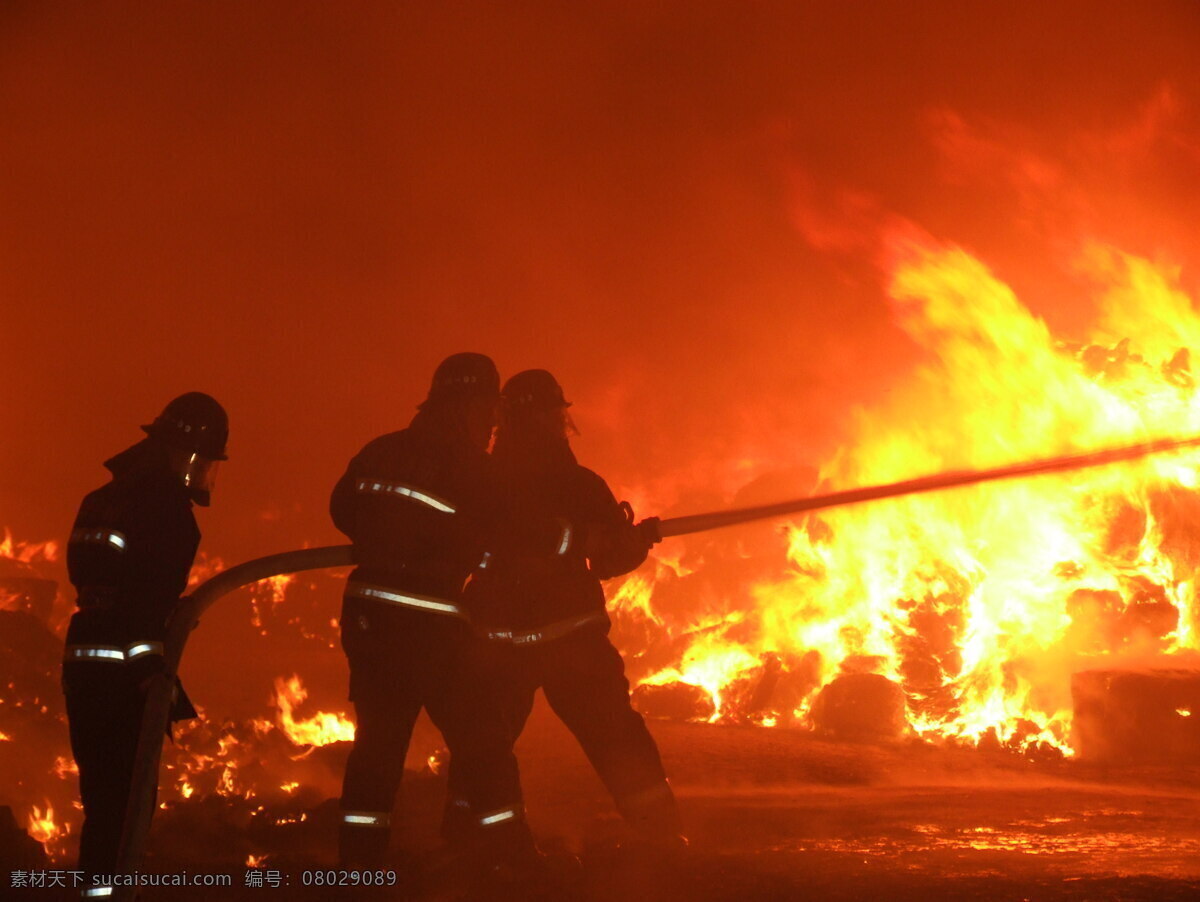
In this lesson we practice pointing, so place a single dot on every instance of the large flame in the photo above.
(979, 602)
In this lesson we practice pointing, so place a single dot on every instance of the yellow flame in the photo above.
(633, 594)
(981, 601)
(42, 826)
(322, 728)
(205, 567)
(274, 589)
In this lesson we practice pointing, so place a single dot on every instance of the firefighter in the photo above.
(128, 557)
(542, 622)
(415, 505)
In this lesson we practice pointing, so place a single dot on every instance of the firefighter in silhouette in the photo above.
(415, 504)
(129, 555)
(542, 623)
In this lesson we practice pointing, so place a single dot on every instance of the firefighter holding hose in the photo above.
(128, 556)
(422, 511)
(410, 502)
(541, 619)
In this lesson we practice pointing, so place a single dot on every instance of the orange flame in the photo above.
(980, 602)
(27, 552)
(65, 767)
(272, 590)
(205, 567)
(321, 729)
(44, 828)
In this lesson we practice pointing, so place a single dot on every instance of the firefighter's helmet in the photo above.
(533, 390)
(465, 375)
(195, 423)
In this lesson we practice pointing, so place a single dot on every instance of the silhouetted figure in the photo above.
(416, 505)
(129, 555)
(542, 615)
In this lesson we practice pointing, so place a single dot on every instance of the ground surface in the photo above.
(782, 815)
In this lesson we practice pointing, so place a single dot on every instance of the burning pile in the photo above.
(962, 614)
(32, 714)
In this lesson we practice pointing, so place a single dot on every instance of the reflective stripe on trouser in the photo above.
(97, 892)
(112, 653)
(546, 633)
(411, 600)
(374, 819)
(500, 816)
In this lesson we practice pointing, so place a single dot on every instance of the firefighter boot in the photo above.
(656, 829)
(363, 839)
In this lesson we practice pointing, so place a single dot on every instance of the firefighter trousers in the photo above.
(104, 713)
(398, 665)
(583, 678)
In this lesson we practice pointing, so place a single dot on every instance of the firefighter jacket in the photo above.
(417, 507)
(527, 594)
(128, 557)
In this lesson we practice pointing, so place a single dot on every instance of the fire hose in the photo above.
(680, 526)
(160, 693)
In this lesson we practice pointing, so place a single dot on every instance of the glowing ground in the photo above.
(782, 815)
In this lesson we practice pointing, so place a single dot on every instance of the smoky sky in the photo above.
(301, 207)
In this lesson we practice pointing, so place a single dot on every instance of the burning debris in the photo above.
(32, 714)
(276, 769)
(860, 706)
(676, 700)
(971, 608)
(19, 849)
(1137, 716)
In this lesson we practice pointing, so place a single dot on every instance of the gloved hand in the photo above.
(623, 548)
(648, 531)
(643, 533)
